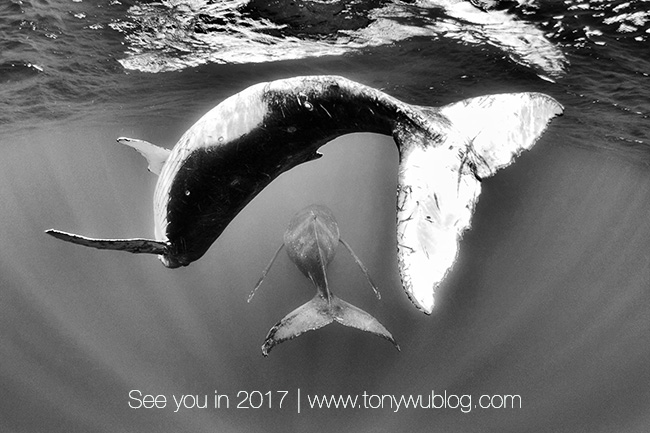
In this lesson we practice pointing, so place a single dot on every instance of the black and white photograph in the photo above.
(324, 216)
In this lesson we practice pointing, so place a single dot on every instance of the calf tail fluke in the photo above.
(320, 312)
(354, 317)
(136, 246)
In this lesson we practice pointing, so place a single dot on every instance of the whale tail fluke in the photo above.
(137, 246)
(444, 154)
(320, 312)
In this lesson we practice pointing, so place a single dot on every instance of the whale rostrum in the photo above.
(236, 149)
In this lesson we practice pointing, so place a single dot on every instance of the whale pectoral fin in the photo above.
(308, 317)
(348, 315)
(362, 267)
(439, 178)
(155, 155)
(136, 246)
(266, 271)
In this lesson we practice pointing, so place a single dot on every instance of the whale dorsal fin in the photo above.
(155, 155)
(439, 178)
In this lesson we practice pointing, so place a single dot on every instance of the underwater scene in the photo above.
(524, 308)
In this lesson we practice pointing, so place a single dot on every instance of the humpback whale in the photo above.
(237, 148)
(311, 239)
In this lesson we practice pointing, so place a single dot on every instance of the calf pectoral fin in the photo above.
(266, 271)
(155, 155)
(319, 312)
(362, 267)
(137, 246)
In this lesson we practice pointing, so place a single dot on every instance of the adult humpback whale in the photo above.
(241, 145)
(311, 239)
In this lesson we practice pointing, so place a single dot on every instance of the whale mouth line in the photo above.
(174, 262)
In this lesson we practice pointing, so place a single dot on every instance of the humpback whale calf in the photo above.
(237, 148)
(311, 239)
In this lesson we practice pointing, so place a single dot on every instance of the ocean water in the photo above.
(549, 299)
